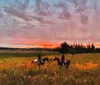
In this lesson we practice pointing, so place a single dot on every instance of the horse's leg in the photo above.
(67, 65)
(39, 65)
(64, 64)
(60, 67)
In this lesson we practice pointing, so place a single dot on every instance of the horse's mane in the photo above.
(57, 58)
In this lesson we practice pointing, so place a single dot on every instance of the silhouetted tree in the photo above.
(72, 50)
(97, 50)
(64, 47)
(88, 48)
(76, 48)
(92, 48)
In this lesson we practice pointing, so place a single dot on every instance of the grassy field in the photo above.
(16, 69)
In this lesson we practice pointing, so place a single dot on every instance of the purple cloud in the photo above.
(42, 8)
(64, 13)
(17, 12)
(1, 14)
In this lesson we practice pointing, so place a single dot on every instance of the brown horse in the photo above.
(66, 63)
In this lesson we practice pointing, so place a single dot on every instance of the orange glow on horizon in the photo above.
(38, 44)
(46, 44)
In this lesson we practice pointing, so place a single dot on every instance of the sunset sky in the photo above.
(38, 23)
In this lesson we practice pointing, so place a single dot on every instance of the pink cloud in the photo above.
(73, 21)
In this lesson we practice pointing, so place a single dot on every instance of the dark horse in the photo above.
(66, 62)
(41, 62)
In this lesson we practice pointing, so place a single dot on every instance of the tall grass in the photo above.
(84, 70)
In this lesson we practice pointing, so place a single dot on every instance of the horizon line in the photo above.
(28, 46)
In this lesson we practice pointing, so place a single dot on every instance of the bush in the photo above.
(33, 72)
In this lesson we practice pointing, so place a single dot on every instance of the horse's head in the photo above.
(46, 59)
(55, 59)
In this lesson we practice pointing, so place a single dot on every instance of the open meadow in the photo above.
(15, 70)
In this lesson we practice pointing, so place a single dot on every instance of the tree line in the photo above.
(77, 48)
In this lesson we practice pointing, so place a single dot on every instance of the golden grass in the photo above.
(84, 70)
(15, 63)
(86, 66)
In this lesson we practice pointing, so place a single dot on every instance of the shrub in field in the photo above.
(8, 71)
(33, 72)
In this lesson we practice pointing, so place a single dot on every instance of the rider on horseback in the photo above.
(40, 59)
(63, 58)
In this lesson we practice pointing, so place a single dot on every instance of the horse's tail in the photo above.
(34, 61)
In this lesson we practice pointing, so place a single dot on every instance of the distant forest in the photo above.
(63, 48)
(77, 48)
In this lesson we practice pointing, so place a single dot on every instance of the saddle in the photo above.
(41, 61)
